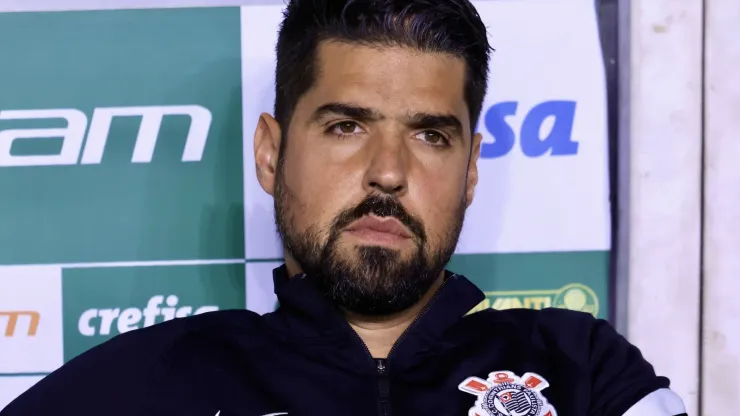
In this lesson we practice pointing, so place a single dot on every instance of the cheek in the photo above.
(439, 199)
(319, 195)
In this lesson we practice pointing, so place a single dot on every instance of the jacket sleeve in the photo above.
(109, 379)
(623, 382)
(659, 402)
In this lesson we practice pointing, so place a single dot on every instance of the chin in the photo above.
(400, 253)
(404, 248)
(363, 255)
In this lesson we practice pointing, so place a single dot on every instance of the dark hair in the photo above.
(447, 26)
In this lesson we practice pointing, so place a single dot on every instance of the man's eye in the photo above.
(345, 128)
(433, 138)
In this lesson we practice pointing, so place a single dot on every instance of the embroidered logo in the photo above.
(506, 394)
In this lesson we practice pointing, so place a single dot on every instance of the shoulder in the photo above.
(118, 369)
(576, 336)
(549, 328)
(559, 334)
(621, 379)
(149, 345)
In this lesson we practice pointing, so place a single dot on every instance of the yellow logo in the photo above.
(575, 296)
(13, 316)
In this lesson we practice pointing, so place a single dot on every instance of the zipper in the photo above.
(384, 387)
(381, 364)
(418, 316)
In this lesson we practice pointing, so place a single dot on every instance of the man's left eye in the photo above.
(432, 137)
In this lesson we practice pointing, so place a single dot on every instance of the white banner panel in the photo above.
(30, 319)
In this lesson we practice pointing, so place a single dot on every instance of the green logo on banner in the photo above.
(121, 136)
(575, 280)
(575, 296)
(100, 303)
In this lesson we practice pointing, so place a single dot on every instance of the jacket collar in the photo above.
(311, 315)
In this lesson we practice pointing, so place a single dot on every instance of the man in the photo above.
(372, 161)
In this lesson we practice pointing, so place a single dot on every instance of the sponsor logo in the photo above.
(505, 394)
(11, 327)
(101, 321)
(546, 129)
(575, 296)
(101, 303)
(73, 135)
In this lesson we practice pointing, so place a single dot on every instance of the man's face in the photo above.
(376, 174)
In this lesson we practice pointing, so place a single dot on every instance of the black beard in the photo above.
(378, 282)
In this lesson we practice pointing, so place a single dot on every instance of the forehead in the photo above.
(394, 80)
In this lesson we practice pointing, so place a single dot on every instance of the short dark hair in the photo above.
(447, 26)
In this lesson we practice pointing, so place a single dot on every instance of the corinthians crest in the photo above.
(505, 394)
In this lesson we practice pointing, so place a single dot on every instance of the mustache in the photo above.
(381, 206)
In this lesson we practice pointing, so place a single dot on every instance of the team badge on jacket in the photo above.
(505, 394)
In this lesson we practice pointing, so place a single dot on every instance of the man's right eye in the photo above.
(345, 128)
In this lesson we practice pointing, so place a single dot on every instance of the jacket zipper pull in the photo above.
(384, 391)
(380, 363)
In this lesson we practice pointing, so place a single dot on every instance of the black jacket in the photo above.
(304, 359)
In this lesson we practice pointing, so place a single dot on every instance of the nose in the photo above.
(387, 171)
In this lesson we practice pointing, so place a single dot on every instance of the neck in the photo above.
(379, 333)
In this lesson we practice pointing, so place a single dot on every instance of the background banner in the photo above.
(128, 188)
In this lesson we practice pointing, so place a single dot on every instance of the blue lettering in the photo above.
(503, 134)
(560, 140)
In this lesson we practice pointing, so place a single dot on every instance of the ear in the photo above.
(266, 148)
(473, 169)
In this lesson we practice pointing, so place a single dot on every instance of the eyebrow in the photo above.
(415, 121)
(346, 110)
(436, 121)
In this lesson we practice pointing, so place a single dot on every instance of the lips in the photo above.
(387, 225)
